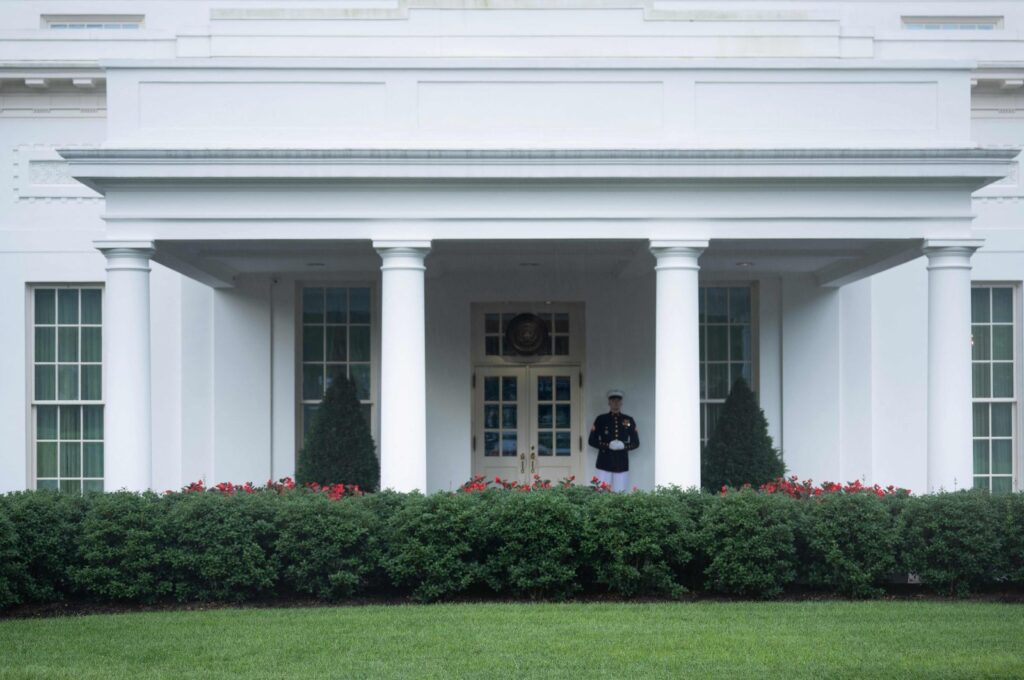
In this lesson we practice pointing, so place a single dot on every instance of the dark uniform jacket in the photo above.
(607, 428)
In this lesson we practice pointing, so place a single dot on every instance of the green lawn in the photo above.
(788, 639)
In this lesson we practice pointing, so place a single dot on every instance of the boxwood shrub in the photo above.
(238, 544)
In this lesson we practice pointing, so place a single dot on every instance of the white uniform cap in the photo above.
(616, 393)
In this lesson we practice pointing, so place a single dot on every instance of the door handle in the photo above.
(533, 461)
(522, 463)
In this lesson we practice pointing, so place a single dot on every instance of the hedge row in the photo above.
(555, 543)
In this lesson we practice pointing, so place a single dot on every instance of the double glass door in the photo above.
(526, 422)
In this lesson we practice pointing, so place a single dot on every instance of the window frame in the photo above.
(375, 313)
(704, 432)
(31, 418)
(1016, 416)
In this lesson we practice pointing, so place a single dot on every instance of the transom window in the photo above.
(495, 343)
(336, 340)
(993, 366)
(726, 351)
(67, 388)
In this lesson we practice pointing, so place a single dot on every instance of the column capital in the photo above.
(126, 255)
(950, 253)
(677, 254)
(402, 254)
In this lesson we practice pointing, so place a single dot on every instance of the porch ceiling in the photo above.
(835, 262)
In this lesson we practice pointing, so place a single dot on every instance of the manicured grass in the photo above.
(788, 639)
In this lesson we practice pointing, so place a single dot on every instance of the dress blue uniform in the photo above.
(607, 428)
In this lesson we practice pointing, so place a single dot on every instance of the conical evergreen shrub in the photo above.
(740, 451)
(339, 448)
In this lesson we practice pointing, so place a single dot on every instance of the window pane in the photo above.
(46, 344)
(308, 411)
(1002, 379)
(45, 382)
(92, 422)
(92, 344)
(980, 420)
(312, 381)
(1002, 420)
(360, 374)
(716, 310)
(70, 425)
(981, 380)
(91, 306)
(67, 382)
(980, 305)
(739, 305)
(739, 343)
(67, 305)
(333, 372)
(1002, 484)
(46, 305)
(70, 486)
(561, 323)
(738, 371)
(981, 483)
(1002, 456)
(491, 323)
(359, 343)
(1002, 343)
(1002, 305)
(981, 457)
(92, 460)
(359, 305)
(67, 344)
(70, 459)
(713, 412)
(46, 422)
(92, 382)
(312, 305)
(46, 459)
(337, 343)
(491, 346)
(312, 343)
(562, 345)
(718, 381)
(92, 485)
(337, 305)
(718, 343)
(47, 484)
(981, 343)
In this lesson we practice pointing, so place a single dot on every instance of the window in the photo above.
(67, 388)
(494, 334)
(993, 366)
(952, 23)
(726, 349)
(335, 341)
(92, 22)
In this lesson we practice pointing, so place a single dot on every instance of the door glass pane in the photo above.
(509, 416)
(563, 388)
(91, 306)
(491, 444)
(544, 388)
(509, 389)
(562, 416)
(46, 307)
(544, 443)
(544, 416)
(563, 444)
(67, 306)
(509, 444)
(491, 416)
(491, 389)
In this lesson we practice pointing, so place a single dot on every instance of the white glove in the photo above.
(616, 445)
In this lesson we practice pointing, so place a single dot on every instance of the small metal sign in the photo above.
(527, 334)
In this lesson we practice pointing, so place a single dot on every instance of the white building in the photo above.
(211, 207)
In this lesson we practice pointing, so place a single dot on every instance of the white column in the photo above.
(949, 364)
(403, 382)
(127, 427)
(677, 364)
